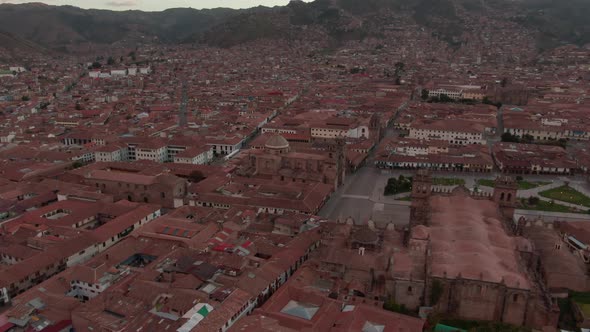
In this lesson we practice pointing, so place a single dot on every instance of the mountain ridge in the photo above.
(53, 27)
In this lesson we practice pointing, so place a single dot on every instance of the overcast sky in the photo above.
(158, 4)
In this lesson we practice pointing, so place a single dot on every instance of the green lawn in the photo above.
(567, 317)
(405, 198)
(583, 301)
(472, 325)
(485, 182)
(567, 194)
(547, 206)
(522, 185)
(581, 297)
(448, 181)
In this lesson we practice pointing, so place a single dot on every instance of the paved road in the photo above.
(551, 216)
(535, 191)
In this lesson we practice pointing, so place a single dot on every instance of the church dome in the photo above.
(277, 142)
(365, 236)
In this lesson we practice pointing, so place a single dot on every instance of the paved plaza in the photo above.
(361, 197)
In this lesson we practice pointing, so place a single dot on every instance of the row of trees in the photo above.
(528, 139)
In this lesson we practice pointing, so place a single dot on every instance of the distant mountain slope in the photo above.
(555, 22)
(11, 42)
(558, 21)
(54, 26)
(12, 46)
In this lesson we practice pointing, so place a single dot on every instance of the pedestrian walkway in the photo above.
(575, 206)
(551, 216)
(581, 187)
(354, 196)
(536, 191)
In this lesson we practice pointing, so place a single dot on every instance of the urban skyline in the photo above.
(337, 166)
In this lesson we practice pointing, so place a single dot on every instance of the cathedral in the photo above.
(477, 268)
(459, 257)
(323, 163)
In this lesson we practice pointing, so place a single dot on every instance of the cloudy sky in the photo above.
(158, 4)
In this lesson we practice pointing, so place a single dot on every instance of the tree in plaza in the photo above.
(398, 185)
(77, 164)
(533, 200)
(424, 94)
(508, 137)
(445, 98)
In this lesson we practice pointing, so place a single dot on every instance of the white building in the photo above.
(8, 138)
(17, 69)
(195, 156)
(473, 92)
(453, 94)
(335, 128)
(456, 131)
(85, 157)
(455, 137)
(145, 70)
(118, 72)
(154, 152)
(225, 145)
(112, 152)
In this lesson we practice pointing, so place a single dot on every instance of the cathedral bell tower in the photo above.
(505, 189)
(375, 126)
(421, 190)
(337, 149)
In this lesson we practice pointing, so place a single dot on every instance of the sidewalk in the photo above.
(575, 206)
(581, 187)
(535, 191)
